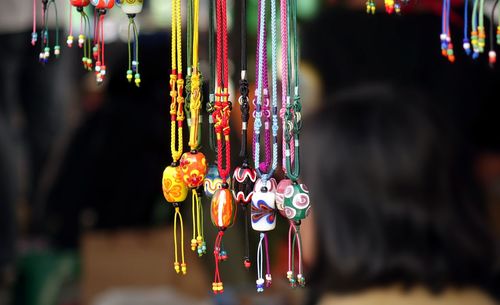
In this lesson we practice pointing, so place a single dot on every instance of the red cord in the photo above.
(222, 111)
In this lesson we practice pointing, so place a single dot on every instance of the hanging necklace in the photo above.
(193, 163)
(446, 43)
(45, 45)
(263, 199)
(492, 54)
(294, 202)
(222, 208)
(213, 180)
(174, 188)
(132, 8)
(244, 176)
(84, 36)
(102, 6)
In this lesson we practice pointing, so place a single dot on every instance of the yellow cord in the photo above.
(198, 240)
(177, 111)
(182, 267)
(195, 106)
(194, 208)
(176, 83)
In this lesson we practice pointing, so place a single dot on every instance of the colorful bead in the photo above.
(389, 6)
(260, 285)
(80, 3)
(69, 41)
(129, 75)
(271, 185)
(137, 79)
(297, 202)
(222, 209)
(263, 211)
(213, 181)
(492, 57)
(243, 183)
(81, 40)
(34, 38)
(131, 7)
(280, 195)
(194, 168)
(173, 187)
(57, 51)
(269, 280)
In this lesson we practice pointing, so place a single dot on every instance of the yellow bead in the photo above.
(184, 269)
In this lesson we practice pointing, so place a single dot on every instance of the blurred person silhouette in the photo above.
(396, 220)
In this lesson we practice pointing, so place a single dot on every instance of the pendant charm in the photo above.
(194, 168)
(222, 209)
(132, 7)
(263, 209)
(174, 188)
(297, 202)
(213, 181)
(243, 183)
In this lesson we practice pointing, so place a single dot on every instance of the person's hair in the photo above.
(387, 204)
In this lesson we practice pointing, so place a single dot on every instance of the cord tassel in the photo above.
(198, 241)
(260, 257)
(219, 255)
(179, 267)
(295, 242)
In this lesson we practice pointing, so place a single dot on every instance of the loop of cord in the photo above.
(261, 93)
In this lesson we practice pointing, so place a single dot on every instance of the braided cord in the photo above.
(243, 100)
(261, 95)
(293, 114)
(222, 109)
(211, 57)
(176, 85)
(195, 102)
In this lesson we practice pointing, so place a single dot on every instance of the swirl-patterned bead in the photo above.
(243, 182)
(131, 7)
(297, 202)
(263, 211)
(280, 195)
(194, 169)
(213, 181)
(223, 209)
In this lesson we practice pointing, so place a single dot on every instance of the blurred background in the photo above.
(82, 216)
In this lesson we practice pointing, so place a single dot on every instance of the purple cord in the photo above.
(265, 107)
(268, 267)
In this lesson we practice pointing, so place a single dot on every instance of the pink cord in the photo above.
(34, 20)
(284, 82)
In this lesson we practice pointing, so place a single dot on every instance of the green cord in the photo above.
(294, 109)
(136, 35)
